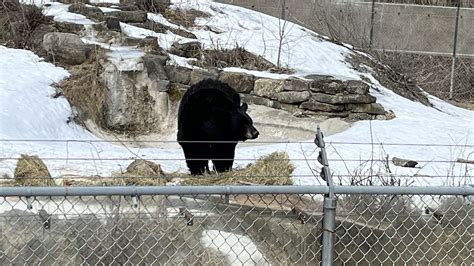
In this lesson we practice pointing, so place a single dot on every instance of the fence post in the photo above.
(329, 204)
(371, 33)
(455, 43)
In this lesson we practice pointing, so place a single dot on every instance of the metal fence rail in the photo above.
(234, 225)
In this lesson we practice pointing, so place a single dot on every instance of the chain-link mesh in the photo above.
(200, 229)
(404, 229)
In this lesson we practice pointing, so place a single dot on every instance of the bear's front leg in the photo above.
(223, 156)
(197, 157)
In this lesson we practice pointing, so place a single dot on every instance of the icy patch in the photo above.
(238, 249)
(61, 14)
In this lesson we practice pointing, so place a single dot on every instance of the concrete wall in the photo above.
(396, 26)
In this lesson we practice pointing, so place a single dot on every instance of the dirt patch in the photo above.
(31, 170)
(237, 57)
(273, 169)
(86, 90)
(184, 17)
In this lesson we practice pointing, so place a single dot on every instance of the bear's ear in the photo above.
(244, 107)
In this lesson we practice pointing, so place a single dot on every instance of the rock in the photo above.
(189, 49)
(241, 82)
(36, 38)
(404, 162)
(360, 116)
(247, 98)
(144, 168)
(369, 108)
(319, 106)
(356, 87)
(130, 16)
(128, 6)
(343, 99)
(69, 27)
(294, 84)
(66, 47)
(293, 96)
(178, 74)
(155, 66)
(150, 45)
(199, 74)
(88, 11)
(113, 23)
(268, 87)
(328, 87)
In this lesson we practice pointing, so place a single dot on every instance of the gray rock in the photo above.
(319, 106)
(189, 49)
(404, 162)
(66, 47)
(113, 23)
(178, 74)
(294, 84)
(199, 74)
(36, 38)
(241, 82)
(268, 87)
(248, 98)
(155, 66)
(343, 99)
(328, 87)
(356, 87)
(88, 11)
(144, 168)
(293, 96)
(69, 27)
(130, 16)
(369, 108)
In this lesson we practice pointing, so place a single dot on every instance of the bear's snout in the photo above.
(252, 133)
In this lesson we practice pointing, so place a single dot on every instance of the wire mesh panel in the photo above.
(199, 229)
(404, 229)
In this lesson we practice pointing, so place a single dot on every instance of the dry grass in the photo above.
(31, 170)
(154, 6)
(174, 93)
(18, 23)
(273, 169)
(237, 57)
(86, 89)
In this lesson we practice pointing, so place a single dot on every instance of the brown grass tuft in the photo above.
(184, 17)
(273, 169)
(237, 57)
(31, 170)
(86, 89)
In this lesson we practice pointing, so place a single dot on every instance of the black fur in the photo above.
(210, 112)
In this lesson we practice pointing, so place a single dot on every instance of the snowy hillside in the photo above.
(29, 112)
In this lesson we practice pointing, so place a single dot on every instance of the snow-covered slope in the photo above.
(29, 112)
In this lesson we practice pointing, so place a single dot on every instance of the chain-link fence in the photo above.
(430, 42)
(245, 225)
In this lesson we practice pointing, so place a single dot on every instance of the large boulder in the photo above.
(200, 74)
(155, 66)
(87, 10)
(294, 84)
(67, 48)
(178, 74)
(293, 96)
(241, 82)
(31, 170)
(268, 87)
(369, 108)
(356, 87)
(130, 16)
(319, 106)
(343, 98)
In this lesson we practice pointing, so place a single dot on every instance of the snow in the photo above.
(238, 249)
(29, 112)
(60, 13)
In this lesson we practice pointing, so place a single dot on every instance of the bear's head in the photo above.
(242, 124)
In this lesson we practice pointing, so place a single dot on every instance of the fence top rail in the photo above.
(195, 190)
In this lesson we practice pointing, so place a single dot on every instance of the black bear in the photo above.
(211, 121)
